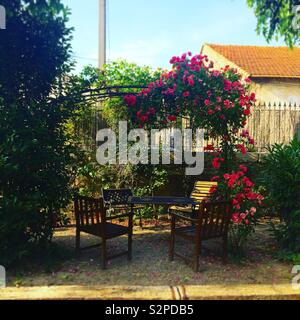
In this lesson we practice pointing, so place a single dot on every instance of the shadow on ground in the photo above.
(150, 265)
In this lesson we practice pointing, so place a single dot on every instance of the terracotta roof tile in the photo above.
(279, 62)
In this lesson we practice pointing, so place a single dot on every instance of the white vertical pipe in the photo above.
(102, 33)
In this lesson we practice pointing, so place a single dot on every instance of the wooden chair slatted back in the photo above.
(202, 189)
(88, 211)
(214, 219)
(116, 197)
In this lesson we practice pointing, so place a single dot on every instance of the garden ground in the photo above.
(151, 275)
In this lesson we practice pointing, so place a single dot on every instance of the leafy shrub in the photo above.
(35, 156)
(281, 178)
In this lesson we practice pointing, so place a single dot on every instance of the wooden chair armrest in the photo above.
(182, 217)
(186, 206)
(209, 201)
(125, 215)
(123, 207)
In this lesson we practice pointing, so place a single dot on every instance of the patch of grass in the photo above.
(46, 259)
(287, 256)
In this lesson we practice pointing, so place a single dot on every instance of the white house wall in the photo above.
(268, 90)
(277, 90)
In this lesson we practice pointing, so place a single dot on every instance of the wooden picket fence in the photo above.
(268, 124)
(274, 123)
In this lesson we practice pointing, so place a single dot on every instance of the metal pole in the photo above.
(102, 33)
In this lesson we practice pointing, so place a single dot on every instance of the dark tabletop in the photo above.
(163, 200)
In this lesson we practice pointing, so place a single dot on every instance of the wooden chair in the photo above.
(212, 222)
(91, 218)
(201, 191)
(116, 200)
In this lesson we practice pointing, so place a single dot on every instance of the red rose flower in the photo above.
(191, 80)
(247, 112)
(213, 189)
(227, 104)
(209, 147)
(236, 217)
(130, 100)
(248, 182)
(227, 176)
(144, 118)
(245, 134)
(251, 141)
(242, 149)
(172, 118)
(243, 168)
(216, 164)
(235, 202)
(227, 85)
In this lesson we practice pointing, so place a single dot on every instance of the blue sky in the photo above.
(150, 32)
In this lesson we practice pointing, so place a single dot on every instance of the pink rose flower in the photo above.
(206, 102)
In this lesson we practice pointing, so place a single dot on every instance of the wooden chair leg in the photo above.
(141, 219)
(77, 245)
(172, 245)
(197, 254)
(129, 257)
(104, 254)
(196, 267)
(225, 250)
(172, 240)
(130, 233)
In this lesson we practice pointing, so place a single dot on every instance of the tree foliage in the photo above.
(35, 157)
(120, 73)
(278, 18)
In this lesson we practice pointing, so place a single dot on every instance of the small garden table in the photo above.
(162, 201)
(168, 201)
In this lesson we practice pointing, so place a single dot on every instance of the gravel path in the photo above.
(151, 267)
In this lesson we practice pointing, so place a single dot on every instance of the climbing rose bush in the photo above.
(236, 186)
(220, 103)
(239, 188)
(213, 100)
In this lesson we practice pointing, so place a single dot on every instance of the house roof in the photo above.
(271, 62)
